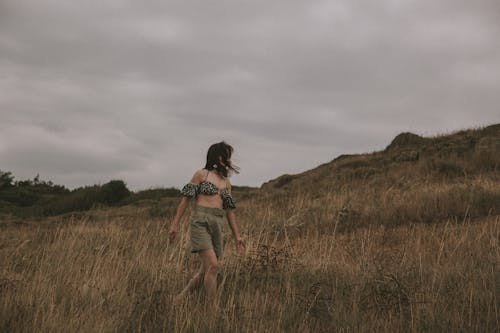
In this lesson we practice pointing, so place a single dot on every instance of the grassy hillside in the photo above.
(402, 240)
(414, 179)
(454, 157)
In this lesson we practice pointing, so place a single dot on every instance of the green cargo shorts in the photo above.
(206, 229)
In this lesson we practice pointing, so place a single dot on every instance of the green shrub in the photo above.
(113, 192)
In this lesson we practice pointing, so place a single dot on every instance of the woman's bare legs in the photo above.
(194, 283)
(211, 268)
(207, 274)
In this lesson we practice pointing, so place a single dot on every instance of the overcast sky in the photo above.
(138, 90)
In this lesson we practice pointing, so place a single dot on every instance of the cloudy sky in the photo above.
(138, 90)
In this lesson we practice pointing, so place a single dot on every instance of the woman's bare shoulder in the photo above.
(198, 176)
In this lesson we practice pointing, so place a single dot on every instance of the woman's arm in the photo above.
(231, 219)
(174, 227)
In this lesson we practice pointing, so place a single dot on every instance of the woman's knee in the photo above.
(213, 268)
(210, 263)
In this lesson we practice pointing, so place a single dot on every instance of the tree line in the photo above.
(36, 197)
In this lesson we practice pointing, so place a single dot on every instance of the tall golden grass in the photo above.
(403, 240)
(328, 264)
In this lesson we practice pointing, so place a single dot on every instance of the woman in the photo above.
(211, 189)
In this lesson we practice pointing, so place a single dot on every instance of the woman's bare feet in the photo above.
(194, 283)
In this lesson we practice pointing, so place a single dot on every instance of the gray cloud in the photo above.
(94, 91)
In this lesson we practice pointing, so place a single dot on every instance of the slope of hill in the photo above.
(415, 179)
(458, 155)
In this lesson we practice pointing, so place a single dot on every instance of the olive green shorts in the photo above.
(206, 229)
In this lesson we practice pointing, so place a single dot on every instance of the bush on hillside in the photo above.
(6, 179)
(29, 192)
(36, 198)
(283, 180)
(113, 192)
(87, 197)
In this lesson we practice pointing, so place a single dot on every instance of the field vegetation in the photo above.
(402, 240)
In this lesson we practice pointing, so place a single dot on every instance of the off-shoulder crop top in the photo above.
(191, 190)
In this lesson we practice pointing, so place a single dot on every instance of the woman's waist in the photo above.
(202, 208)
(209, 200)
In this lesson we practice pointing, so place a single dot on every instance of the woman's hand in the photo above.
(240, 246)
(174, 229)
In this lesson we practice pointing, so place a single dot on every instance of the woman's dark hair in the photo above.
(217, 153)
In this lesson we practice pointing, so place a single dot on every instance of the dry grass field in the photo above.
(381, 242)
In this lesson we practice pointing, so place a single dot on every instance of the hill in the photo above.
(401, 240)
(461, 155)
(414, 179)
